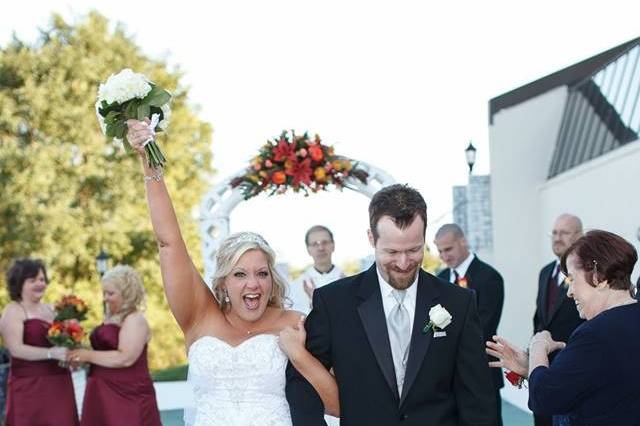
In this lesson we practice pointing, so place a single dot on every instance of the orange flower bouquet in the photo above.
(67, 333)
(298, 162)
(66, 330)
(71, 307)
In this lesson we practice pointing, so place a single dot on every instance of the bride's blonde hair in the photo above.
(230, 251)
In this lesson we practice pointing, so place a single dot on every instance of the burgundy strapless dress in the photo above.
(118, 396)
(40, 393)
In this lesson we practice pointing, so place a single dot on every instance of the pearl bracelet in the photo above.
(157, 177)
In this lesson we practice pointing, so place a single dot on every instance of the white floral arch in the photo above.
(219, 202)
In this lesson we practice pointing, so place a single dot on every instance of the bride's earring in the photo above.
(226, 297)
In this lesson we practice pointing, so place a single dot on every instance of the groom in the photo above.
(372, 329)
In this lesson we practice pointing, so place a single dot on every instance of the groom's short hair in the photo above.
(400, 202)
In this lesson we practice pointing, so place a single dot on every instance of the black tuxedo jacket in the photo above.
(489, 288)
(563, 318)
(447, 381)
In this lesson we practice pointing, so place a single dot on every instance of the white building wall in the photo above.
(522, 140)
(521, 144)
(604, 193)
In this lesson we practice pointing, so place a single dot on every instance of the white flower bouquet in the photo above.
(129, 95)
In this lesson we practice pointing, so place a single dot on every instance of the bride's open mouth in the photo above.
(252, 301)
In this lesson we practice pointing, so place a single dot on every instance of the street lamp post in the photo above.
(102, 262)
(470, 153)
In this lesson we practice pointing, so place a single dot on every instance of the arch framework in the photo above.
(219, 202)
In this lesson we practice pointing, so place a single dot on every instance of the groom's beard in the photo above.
(401, 280)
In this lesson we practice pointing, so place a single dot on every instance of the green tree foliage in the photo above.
(431, 262)
(67, 192)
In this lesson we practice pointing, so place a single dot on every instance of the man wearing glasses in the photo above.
(555, 312)
(320, 246)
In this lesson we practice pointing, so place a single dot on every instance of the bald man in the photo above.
(465, 269)
(555, 312)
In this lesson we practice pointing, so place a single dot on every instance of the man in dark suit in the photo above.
(406, 347)
(555, 312)
(465, 269)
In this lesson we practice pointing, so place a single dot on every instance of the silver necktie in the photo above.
(400, 335)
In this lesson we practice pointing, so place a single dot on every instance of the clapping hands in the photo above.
(509, 356)
(309, 287)
(544, 342)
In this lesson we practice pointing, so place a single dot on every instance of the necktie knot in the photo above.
(456, 277)
(399, 295)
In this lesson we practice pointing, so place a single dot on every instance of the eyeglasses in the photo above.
(322, 243)
(560, 234)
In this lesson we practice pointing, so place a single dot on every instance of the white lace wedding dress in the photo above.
(238, 385)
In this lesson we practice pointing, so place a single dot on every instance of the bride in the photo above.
(240, 336)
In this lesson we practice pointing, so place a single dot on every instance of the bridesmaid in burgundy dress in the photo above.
(39, 391)
(119, 389)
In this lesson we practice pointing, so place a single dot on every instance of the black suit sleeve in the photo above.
(473, 386)
(537, 316)
(304, 402)
(490, 302)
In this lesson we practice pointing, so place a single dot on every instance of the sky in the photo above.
(401, 85)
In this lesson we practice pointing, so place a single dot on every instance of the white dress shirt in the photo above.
(462, 268)
(299, 298)
(388, 301)
(561, 276)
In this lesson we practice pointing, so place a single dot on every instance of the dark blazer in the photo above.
(564, 316)
(447, 381)
(489, 288)
(594, 380)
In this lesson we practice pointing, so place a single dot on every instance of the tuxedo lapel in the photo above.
(473, 272)
(544, 286)
(556, 307)
(372, 316)
(426, 297)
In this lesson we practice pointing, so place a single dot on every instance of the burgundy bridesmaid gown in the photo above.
(40, 393)
(118, 396)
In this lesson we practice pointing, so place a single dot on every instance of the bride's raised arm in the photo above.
(188, 296)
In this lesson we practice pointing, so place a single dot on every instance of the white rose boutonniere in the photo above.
(439, 318)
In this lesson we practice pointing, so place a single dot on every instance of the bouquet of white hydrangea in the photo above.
(129, 95)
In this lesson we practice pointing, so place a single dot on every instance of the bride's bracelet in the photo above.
(157, 177)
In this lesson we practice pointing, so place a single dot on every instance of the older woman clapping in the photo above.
(592, 381)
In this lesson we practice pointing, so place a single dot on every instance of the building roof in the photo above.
(566, 77)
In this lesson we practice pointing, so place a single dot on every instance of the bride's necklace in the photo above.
(242, 330)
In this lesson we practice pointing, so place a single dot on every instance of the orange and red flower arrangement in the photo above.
(66, 330)
(297, 162)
